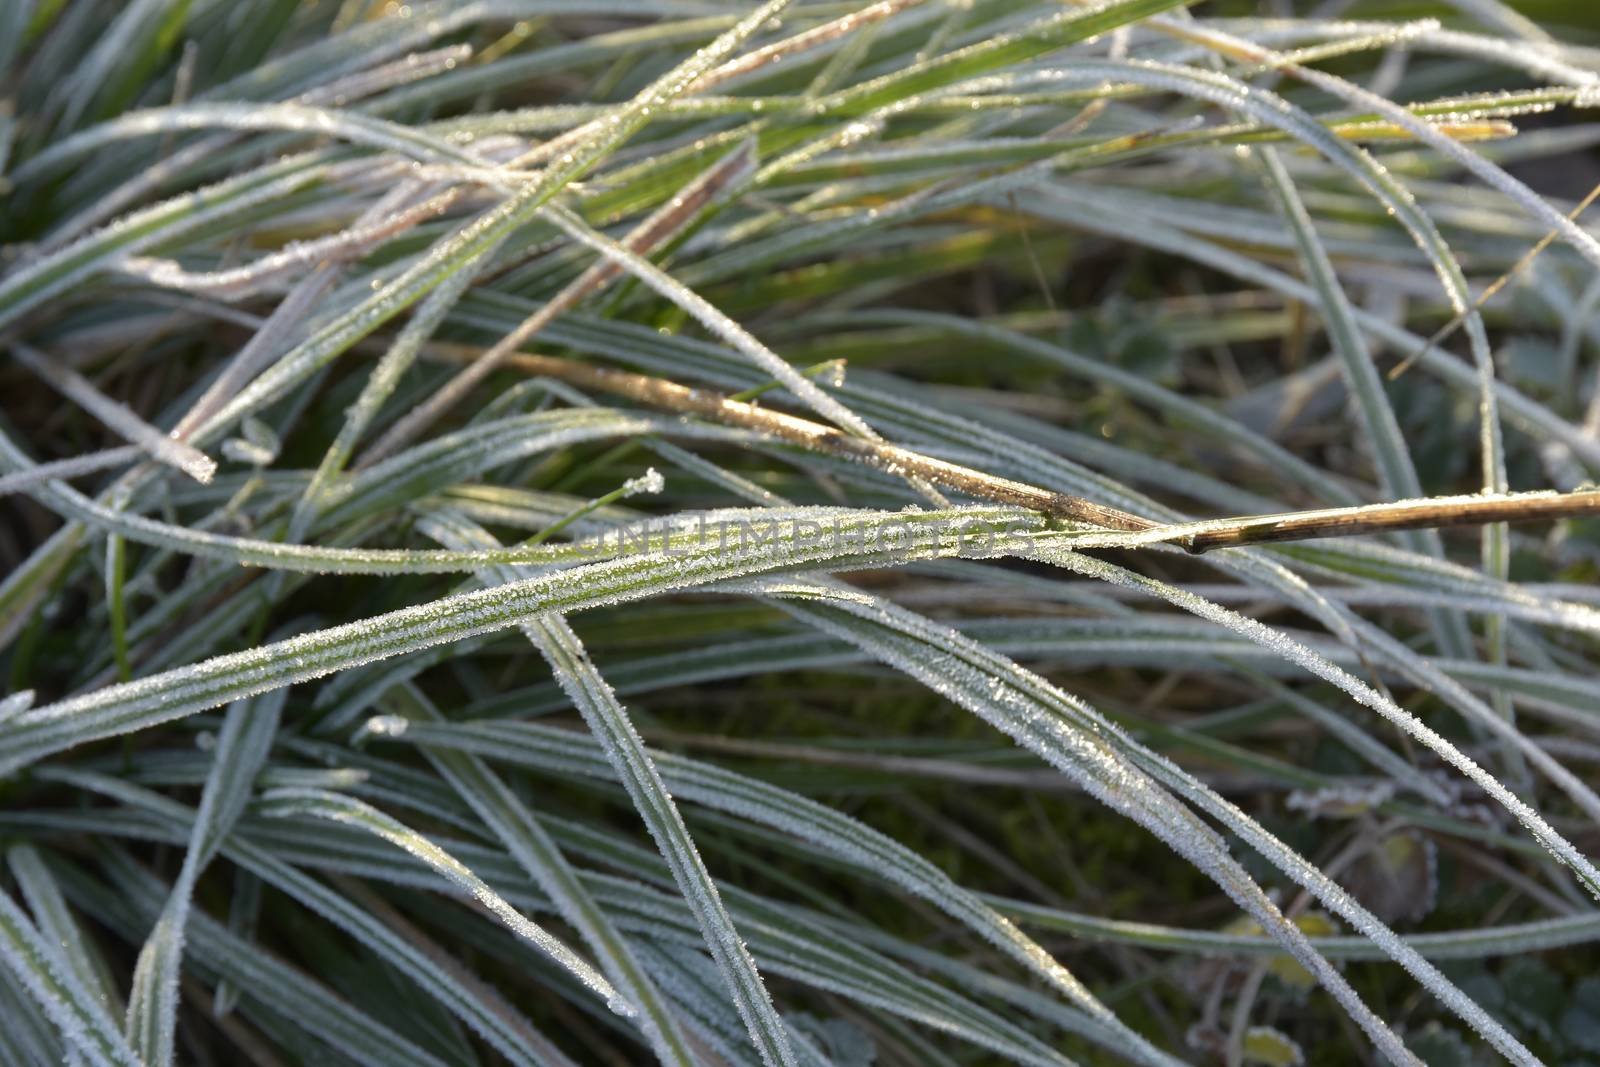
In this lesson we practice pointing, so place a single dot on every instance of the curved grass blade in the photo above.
(520, 831)
(77, 1013)
(320, 803)
(247, 734)
(625, 750)
(998, 690)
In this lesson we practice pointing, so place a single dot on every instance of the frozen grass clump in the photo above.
(799, 533)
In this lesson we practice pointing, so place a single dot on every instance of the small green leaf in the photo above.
(1272, 1048)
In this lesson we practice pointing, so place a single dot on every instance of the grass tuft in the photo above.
(1049, 533)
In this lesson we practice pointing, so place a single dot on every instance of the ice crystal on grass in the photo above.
(651, 481)
(286, 800)
(118, 416)
(381, 726)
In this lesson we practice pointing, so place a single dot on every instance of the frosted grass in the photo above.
(873, 854)
(247, 735)
(527, 840)
(284, 801)
(1087, 755)
(1513, 189)
(591, 143)
(1399, 475)
(56, 272)
(1529, 415)
(713, 320)
(80, 1017)
(348, 126)
(659, 227)
(1292, 650)
(235, 237)
(624, 748)
(341, 91)
(498, 1024)
(220, 953)
(117, 416)
(379, 387)
(67, 469)
(66, 939)
(238, 283)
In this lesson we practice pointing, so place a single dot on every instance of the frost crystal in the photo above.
(381, 726)
(1341, 803)
(650, 481)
